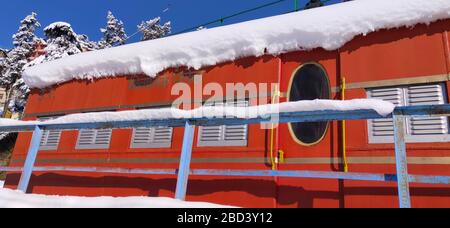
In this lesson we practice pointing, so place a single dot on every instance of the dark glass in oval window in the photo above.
(310, 82)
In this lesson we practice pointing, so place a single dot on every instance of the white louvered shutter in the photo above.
(418, 129)
(382, 130)
(157, 137)
(224, 135)
(94, 139)
(50, 138)
(236, 135)
(427, 95)
(211, 135)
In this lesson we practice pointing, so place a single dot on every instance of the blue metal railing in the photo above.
(402, 177)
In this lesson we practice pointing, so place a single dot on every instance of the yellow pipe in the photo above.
(272, 158)
(276, 94)
(344, 146)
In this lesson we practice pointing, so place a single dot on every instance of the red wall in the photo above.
(383, 55)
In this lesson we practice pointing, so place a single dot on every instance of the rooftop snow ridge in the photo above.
(326, 27)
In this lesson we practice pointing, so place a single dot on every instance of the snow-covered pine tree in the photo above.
(12, 64)
(114, 32)
(86, 44)
(3, 55)
(61, 41)
(24, 42)
(152, 29)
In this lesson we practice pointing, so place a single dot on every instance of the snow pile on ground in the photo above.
(2, 183)
(326, 27)
(16, 199)
(383, 108)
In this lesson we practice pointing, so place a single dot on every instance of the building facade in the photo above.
(404, 66)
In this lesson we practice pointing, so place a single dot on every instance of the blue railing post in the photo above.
(185, 161)
(401, 162)
(31, 158)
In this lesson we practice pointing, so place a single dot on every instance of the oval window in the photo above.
(309, 82)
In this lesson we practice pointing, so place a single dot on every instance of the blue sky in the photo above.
(88, 16)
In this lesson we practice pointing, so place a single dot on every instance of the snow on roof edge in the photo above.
(328, 27)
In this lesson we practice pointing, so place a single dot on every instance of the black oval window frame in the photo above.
(318, 129)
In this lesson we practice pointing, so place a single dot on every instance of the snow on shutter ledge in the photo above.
(382, 130)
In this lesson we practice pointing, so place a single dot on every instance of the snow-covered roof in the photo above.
(325, 27)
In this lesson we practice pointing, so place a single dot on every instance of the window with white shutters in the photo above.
(211, 136)
(418, 129)
(50, 138)
(153, 137)
(156, 137)
(94, 139)
(427, 128)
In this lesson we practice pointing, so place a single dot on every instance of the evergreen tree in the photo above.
(152, 29)
(61, 41)
(3, 55)
(24, 42)
(114, 32)
(86, 44)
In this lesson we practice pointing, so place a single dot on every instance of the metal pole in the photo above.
(31, 158)
(295, 5)
(185, 161)
(401, 161)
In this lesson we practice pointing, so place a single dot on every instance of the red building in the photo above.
(407, 66)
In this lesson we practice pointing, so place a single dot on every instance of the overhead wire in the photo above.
(221, 20)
